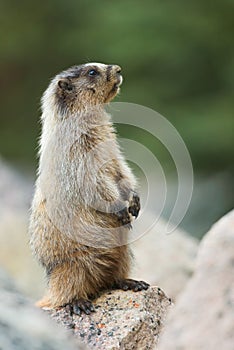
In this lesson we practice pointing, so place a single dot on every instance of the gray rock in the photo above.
(15, 189)
(6, 283)
(123, 320)
(203, 317)
(23, 327)
(15, 254)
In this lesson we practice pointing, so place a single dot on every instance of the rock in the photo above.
(162, 259)
(6, 282)
(123, 320)
(24, 327)
(203, 317)
(15, 255)
(15, 189)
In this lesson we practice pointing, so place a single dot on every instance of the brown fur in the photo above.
(77, 136)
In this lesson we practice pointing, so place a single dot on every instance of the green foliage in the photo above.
(177, 58)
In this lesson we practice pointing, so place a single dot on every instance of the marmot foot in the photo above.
(134, 205)
(130, 284)
(80, 305)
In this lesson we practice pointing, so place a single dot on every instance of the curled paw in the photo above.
(80, 305)
(124, 217)
(134, 205)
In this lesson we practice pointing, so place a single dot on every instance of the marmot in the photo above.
(85, 195)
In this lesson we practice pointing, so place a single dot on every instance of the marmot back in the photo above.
(85, 195)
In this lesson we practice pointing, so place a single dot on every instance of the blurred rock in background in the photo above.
(15, 254)
(24, 327)
(203, 317)
(165, 260)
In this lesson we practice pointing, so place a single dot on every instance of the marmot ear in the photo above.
(65, 84)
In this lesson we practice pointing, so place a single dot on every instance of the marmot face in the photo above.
(85, 86)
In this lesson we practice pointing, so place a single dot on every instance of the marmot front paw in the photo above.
(134, 205)
(124, 217)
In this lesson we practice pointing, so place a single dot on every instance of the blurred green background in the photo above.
(177, 58)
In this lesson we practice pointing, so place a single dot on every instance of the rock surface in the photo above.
(23, 327)
(123, 320)
(204, 315)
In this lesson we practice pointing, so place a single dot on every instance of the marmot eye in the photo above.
(92, 72)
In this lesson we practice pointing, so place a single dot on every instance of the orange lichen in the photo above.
(101, 325)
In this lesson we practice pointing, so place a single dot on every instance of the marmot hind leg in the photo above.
(70, 284)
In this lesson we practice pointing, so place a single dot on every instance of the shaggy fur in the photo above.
(84, 198)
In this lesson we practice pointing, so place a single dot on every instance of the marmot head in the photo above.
(83, 86)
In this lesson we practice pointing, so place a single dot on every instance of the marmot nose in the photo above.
(116, 69)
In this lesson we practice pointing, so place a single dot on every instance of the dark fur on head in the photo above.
(86, 85)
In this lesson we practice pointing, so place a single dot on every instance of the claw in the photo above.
(130, 284)
(124, 217)
(69, 309)
(76, 310)
(135, 206)
(79, 306)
